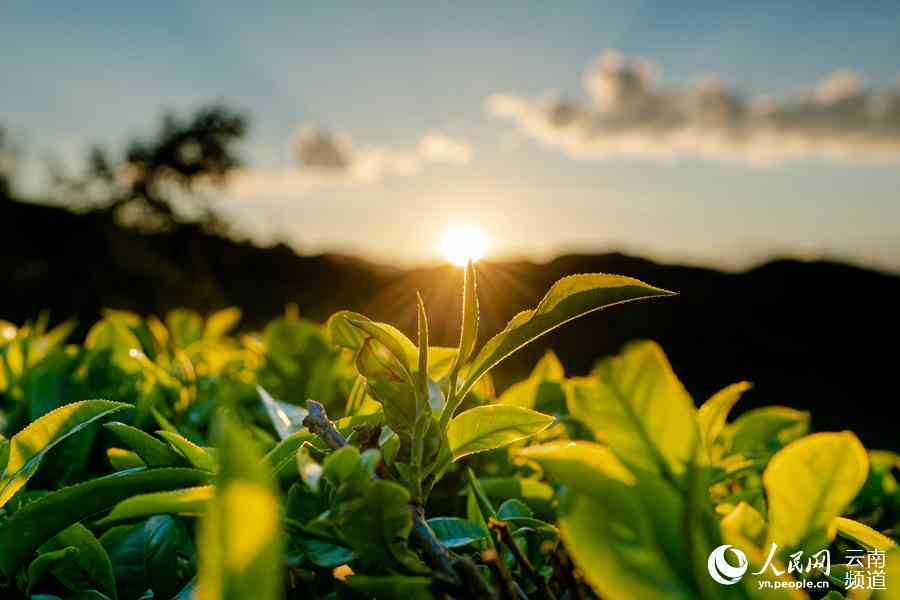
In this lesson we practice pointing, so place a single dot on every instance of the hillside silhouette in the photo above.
(811, 335)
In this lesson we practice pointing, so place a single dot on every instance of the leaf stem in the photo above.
(506, 538)
(436, 554)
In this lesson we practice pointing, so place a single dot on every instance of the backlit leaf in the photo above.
(151, 450)
(188, 501)
(488, 427)
(240, 545)
(567, 299)
(808, 484)
(714, 412)
(863, 535)
(635, 403)
(28, 447)
(197, 456)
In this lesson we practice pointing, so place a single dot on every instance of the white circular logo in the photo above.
(721, 571)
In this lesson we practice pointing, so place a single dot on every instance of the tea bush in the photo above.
(346, 460)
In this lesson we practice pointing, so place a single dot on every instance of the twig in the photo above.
(317, 422)
(564, 571)
(509, 590)
(473, 582)
(436, 554)
(507, 539)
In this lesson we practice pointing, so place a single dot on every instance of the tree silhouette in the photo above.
(8, 158)
(156, 180)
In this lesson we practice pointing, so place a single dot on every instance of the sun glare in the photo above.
(463, 243)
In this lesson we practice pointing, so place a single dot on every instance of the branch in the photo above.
(563, 569)
(506, 538)
(317, 422)
(509, 589)
(436, 554)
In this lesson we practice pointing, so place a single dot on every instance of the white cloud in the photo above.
(630, 113)
(324, 158)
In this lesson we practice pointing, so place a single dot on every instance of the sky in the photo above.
(714, 133)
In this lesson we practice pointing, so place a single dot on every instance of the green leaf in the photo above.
(284, 453)
(151, 450)
(516, 487)
(635, 403)
(744, 523)
(765, 430)
(185, 325)
(626, 535)
(393, 587)
(863, 535)
(221, 322)
(189, 501)
(488, 427)
(40, 520)
(484, 503)
(343, 333)
(93, 566)
(714, 412)
(377, 364)
(514, 509)
(240, 549)
(525, 393)
(125, 547)
(398, 401)
(162, 535)
(28, 447)
(454, 532)
(567, 299)
(4, 453)
(123, 459)
(324, 554)
(378, 524)
(115, 338)
(808, 484)
(197, 456)
(400, 346)
(585, 467)
(43, 565)
(468, 333)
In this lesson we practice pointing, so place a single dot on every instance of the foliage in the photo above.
(215, 469)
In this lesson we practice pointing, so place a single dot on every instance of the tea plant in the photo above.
(216, 470)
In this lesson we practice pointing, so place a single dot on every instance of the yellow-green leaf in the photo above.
(714, 412)
(635, 403)
(188, 501)
(239, 541)
(197, 456)
(221, 322)
(468, 333)
(525, 393)
(28, 447)
(568, 298)
(625, 535)
(809, 483)
(863, 534)
(487, 427)
(151, 450)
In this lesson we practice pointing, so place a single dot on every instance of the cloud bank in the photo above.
(630, 113)
(323, 158)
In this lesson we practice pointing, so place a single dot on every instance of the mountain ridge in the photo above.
(815, 335)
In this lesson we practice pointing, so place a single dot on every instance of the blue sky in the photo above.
(389, 74)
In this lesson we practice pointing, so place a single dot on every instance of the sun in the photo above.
(460, 244)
